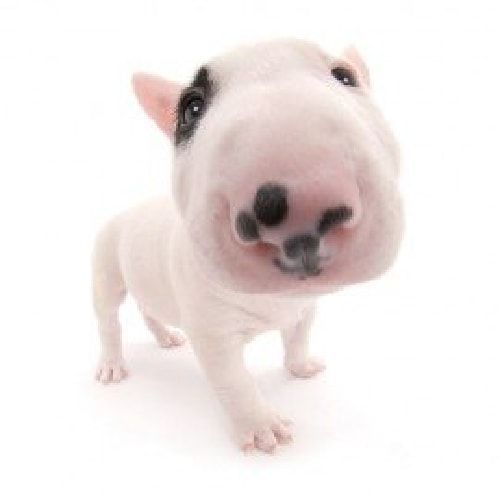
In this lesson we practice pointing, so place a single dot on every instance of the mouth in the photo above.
(303, 269)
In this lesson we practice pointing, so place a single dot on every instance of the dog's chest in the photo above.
(258, 313)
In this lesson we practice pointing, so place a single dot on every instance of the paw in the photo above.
(265, 434)
(305, 368)
(110, 371)
(170, 338)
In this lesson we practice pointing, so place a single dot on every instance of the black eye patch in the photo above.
(192, 105)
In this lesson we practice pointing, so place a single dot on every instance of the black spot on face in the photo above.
(193, 104)
(246, 225)
(333, 217)
(302, 249)
(271, 206)
(303, 244)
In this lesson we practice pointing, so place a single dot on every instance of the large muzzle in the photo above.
(299, 218)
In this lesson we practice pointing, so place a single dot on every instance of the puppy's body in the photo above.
(269, 213)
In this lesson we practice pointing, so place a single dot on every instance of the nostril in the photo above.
(300, 245)
(271, 206)
(334, 217)
(246, 226)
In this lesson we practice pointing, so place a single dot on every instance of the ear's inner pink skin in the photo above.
(159, 99)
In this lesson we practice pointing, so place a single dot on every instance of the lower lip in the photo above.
(301, 272)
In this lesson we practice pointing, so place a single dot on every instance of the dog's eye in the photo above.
(344, 76)
(192, 110)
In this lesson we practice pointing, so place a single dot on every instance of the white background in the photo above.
(410, 404)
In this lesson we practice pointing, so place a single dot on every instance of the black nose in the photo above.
(270, 205)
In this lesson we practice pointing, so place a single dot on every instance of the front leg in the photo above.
(255, 423)
(296, 346)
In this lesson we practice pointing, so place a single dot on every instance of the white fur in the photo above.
(182, 263)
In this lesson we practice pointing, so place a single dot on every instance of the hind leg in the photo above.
(166, 336)
(108, 294)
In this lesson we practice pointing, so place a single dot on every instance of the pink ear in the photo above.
(159, 99)
(352, 56)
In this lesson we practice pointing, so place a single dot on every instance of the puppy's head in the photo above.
(285, 172)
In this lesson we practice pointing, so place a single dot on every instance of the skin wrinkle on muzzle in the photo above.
(284, 188)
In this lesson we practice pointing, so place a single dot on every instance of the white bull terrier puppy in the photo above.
(285, 187)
